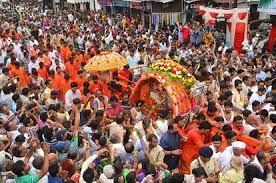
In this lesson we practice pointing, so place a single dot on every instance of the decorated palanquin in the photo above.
(166, 84)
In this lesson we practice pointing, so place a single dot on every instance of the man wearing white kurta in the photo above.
(236, 149)
(72, 94)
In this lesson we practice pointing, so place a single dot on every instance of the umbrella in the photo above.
(105, 61)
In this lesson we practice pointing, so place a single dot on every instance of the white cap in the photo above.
(238, 144)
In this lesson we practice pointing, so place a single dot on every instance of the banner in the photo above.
(267, 6)
(105, 2)
(136, 5)
(119, 3)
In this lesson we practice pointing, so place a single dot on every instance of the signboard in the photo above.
(105, 2)
(136, 5)
(119, 3)
(267, 6)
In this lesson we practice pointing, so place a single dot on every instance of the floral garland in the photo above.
(174, 71)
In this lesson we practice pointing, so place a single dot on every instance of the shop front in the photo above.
(168, 13)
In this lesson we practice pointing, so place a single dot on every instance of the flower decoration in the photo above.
(105, 61)
(174, 71)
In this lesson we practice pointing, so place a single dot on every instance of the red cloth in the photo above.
(272, 38)
(186, 33)
(113, 112)
(125, 73)
(242, 15)
(239, 36)
(212, 22)
(228, 15)
(235, 127)
(201, 12)
(191, 149)
(213, 14)
(229, 24)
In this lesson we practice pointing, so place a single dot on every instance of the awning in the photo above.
(133, 1)
(221, 1)
(162, 1)
(78, 1)
(191, 1)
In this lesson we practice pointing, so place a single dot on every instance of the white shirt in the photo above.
(54, 67)
(269, 107)
(183, 53)
(234, 79)
(226, 156)
(32, 65)
(162, 127)
(50, 101)
(70, 96)
(34, 171)
(191, 179)
(138, 127)
(80, 41)
(258, 164)
(20, 55)
(254, 97)
(108, 38)
(245, 89)
(85, 165)
(224, 117)
(70, 17)
(119, 149)
(17, 47)
(215, 154)
(132, 61)
(247, 127)
(162, 46)
(52, 56)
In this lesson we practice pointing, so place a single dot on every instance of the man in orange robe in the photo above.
(95, 84)
(55, 80)
(80, 78)
(42, 71)
(59, 73)
(71, 68)
(11, 66)
(87, 55)
(21, 73)
(126, 73)
(79, 58)
(65, 52)
(85, 86)
(252, 145)
(47, 59)
(35, 51)
(65, 85)
(194, 140)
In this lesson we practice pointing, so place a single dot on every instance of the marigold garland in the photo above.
(174, 71)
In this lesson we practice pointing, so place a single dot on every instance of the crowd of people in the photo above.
(59, 123)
